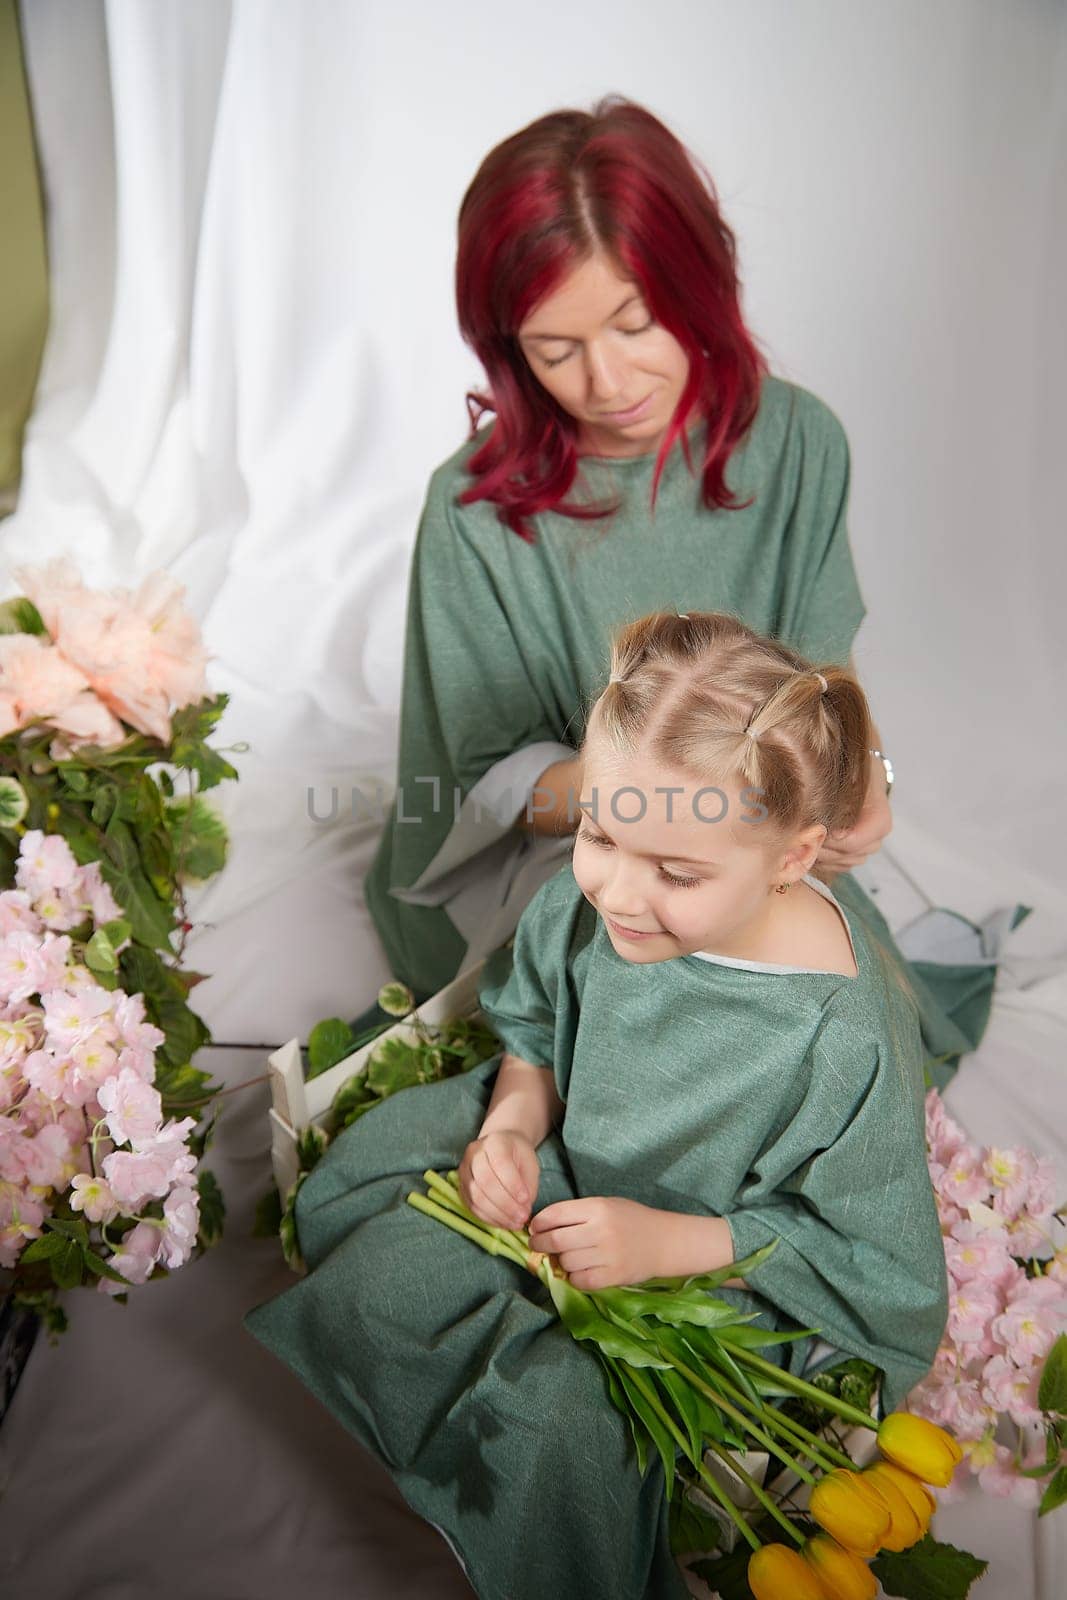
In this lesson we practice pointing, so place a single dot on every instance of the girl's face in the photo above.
(593, 345)
(690, 873)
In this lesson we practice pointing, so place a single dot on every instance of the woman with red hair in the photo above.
(641, 458)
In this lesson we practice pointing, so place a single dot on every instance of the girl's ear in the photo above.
(799, 857)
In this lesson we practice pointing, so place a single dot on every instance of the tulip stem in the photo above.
(757, 1490)
(708, 1478)
(446, 1194)
(788, 1380)
(824, 1455)
(495, 1247)
(720, 1400)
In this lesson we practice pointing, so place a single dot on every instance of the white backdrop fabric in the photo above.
(253, 369)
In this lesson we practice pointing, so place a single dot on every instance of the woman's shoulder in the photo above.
(787, 411)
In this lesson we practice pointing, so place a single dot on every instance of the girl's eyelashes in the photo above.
(668, 877)
(679, 883)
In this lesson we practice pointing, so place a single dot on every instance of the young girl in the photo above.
(729, 1060)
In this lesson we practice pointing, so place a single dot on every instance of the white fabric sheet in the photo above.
(252, 370)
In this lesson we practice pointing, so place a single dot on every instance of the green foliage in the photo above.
(928, 1571)
(118, 808)
(212, 1208)
(14, 802)
(396, 998)
(199, 838)
(268, 1218)
(328, 1042)
(691, 1528)
(20, 615)
(1052, 1391)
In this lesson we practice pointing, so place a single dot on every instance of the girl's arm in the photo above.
(524, 1101)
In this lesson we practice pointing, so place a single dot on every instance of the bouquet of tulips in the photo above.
(103, 706)
(685, 1368)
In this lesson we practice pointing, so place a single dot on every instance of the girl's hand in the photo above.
(850, 847)
(601, 1240)
(499, 1177)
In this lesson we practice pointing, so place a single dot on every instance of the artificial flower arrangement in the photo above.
(103, 706)
(1000, 1377)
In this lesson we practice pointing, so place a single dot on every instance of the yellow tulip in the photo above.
(777, 1573)
(841, 1572)
(851, 1510)
(920, 1447)
(905, 1524)
(918, 1495)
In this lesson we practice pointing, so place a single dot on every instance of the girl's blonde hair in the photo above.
(707, 696)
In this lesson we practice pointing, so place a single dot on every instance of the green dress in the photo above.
(506, 643)
(789, 1101)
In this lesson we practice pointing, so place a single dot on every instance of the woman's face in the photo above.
(593, 345)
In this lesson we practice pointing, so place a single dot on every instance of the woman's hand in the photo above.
(499, 1177)
(601, 1240)
(850, 847)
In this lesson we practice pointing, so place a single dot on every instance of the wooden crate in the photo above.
(298, 1103)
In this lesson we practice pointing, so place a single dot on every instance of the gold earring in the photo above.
(781, 888)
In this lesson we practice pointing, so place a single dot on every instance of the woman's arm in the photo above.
(553, 807)
(851, 847)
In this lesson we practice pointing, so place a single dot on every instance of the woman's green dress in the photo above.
(507, 643)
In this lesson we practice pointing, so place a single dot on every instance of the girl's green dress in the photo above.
(789, 1101)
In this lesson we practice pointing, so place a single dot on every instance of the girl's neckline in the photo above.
(773, 967)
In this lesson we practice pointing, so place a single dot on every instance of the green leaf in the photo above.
(49, 1244)
(1052, 1391)
(287, 1232)
(661, 1436)
(328, 1043)
(640, 1433)
(310, 1144)
(396, 998)
(199, 838)
(681, 1401)
(70, 1228)
(14, 802)
(212, 1208)
(691, 1528)
(579, 1314)
(354, 1094)
(99, 954)
(1055, 1494)
(727, 1575)
(268, 1217)
(66, 1265)
(677, 1309)
(100, 1268)
(928, 1571)
(20, 615)
(396, 1064)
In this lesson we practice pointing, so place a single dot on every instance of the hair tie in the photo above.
(683, 616)
(823, 681)
(752, 733)
(616, 677)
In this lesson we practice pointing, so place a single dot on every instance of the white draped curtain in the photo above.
(253, 367)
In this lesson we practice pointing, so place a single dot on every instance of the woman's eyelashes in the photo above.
(629, 332)
(668, 877)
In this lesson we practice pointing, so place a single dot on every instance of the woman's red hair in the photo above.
(542, 202)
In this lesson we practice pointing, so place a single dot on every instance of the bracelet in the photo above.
(888, 765)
